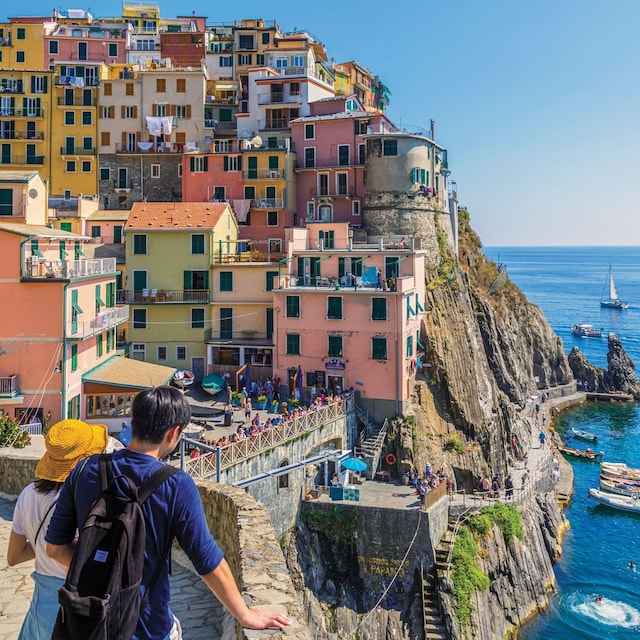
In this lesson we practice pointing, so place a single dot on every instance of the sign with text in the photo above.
(334, 365)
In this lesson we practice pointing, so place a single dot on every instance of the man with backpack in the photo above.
(97, 597)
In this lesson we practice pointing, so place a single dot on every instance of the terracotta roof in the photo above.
(39, 231)
(175, 215)
(126, 372)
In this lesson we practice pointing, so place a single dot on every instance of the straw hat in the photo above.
(68, 442)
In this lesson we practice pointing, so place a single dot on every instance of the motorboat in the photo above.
(632, 482)
(620, 470)
(580, 453)
(621, 488)
(585, 330)
(183, 378)
(612, 302)
(584, 435)
(615, 501)
(213, 383)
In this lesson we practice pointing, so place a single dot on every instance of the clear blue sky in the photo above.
(537, 101)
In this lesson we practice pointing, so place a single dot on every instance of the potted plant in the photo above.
(236, 398)
(273, 407)
(262, 401)
(294, 403)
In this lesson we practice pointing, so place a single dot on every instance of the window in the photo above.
(106, 112)
(232, 163)
(293, 344)
(70, 166)
(311, 210)
(389, 147)
(225, 115)
(179, 171)
(309, 131)
(335, 346)
(199, 164)
(342, 184)
(334, 307)
(361, 153)
(155, 170)
(298, 61)
(197, 243)
(283, 480)
(53, 46)
(409, 351)
(226, 323)
(21, 33)
(19, 56)
(197, 318)
(161, 85)
(69, 117)
(260, 59)
(226, 281)
(282, 63)
(113, 50)
(244, 58)
(181, 111)
(139, 244)
(226, 61)
(139, 318)
(270, 279)
(139, 351)
(219, 194)
(128, 113)
(379, 348)
(245, 42)
(107, 88)
(293, 307)
(161, 353)
(181, 352)
(310, 157)
(128, 89)
(272, 218)
(181, 85)
(265, 38)
(378, 308)
(275, 245)
(326, 238)
(99, 345)
(38, 84)
(86, 166)
(86, 118)
(355, 207)
(343, 155)
(74, 357)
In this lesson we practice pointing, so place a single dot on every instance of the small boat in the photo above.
(620, 470)
(612, 302)
(584, 435)
(620, 488)
(213, 383)
(626, 503)
(579, 453)
(608, 477)
(183, 378)
(585, 330)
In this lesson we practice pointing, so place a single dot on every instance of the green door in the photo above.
(117, 235)
(252, 162)
(139, 280)
(270, 192)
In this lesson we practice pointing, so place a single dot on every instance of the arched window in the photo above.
(283, 480)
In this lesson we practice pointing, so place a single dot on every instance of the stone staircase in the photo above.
(371, 441)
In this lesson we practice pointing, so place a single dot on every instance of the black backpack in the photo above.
(101, 599)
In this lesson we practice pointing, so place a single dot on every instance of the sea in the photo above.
(567, 284)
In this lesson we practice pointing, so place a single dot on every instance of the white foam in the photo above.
(612, 613)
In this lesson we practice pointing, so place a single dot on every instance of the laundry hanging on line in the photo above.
(159, 125)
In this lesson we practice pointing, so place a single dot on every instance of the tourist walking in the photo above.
(508, 485)
(542, 436)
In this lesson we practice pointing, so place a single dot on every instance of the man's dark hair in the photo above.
(157, 410)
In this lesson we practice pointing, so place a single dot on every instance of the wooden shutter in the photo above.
(154, 110)
(188, 111)
(112, 111)
(124, 140)
(105, 138)
(135, 111)
(107, 88)
(172, 110)
(123, 111)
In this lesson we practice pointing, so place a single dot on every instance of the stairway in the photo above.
(372, 440)
(434, 628)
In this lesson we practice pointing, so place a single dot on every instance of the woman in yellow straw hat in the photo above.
(67, 443)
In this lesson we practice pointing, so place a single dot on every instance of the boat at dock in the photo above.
(584, 435)
(615, 501)
(620, 488)
(183, 378)
(213, 383)
(607, 477)
(580, 453)
(585, 330)
(612, 302)
(620, 470)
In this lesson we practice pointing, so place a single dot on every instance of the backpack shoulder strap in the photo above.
(152, 483)
(46, 515)
(106, 471)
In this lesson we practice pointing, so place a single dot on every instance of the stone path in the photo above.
(197, 608)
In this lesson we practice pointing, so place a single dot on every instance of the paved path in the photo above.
(197, 608)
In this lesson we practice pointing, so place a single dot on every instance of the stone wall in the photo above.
(16, 471)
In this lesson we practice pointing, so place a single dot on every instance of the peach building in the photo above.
(347, 314)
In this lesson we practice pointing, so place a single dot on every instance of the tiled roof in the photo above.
(39, 231)
(175, 215)
(17, 176)
(109, 214)
(342, 115)
(127, 372)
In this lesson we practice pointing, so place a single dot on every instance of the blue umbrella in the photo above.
(354, 464)
(299, 383)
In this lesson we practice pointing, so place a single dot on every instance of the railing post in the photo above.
(218, 462)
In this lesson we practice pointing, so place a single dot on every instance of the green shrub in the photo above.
(11, 434)
(508, 520)
(480, 525)
(454, 444)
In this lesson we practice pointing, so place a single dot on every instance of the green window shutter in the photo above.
(378, 308)
(139, 318)
(99, 301)
(335, 346)
(273, 162)
(410, 311)
(139, 244)
(95, 231)
(334, 307)
(109, 341)
(74, 301)
(226, 281)
(206, 163)
(293, 344)
(33, 84)
(379, 348)
(391, 267)
(63, 250)
(197, 318)
(99, 345)
(300, 270)
(139, 280)
(197, 243)
(419, 307)
(35, 251)
(427, 179)
(188, 279)
(225, 163)
(109, 294)
(293, 306)
(77, 249)
(65, 226)
(206, 280)
(226, 323)
(341, 268)
(356, 267)
(74, 357)
(192, 164)
(270, 275)
(409, 346)
(44, 84)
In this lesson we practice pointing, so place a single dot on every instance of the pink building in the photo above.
(348, 314)
(330, 153)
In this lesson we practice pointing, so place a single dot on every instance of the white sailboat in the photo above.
(613, 302)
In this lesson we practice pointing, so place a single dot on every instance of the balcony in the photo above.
(6, 42)
(342, 193)
(164, 296)
(9, 386)
(36, 268)
(156, 147)
(22, 160)
(267, 203)
(78, 82)
(275, 124)
(77, 151)
(263, 174)
(21, 135)
(279, 98)
(123, 185)
(220, 100)
(102, 322)
(30, 112)
(245, 337)
(328, 163)
(76, 102)
(15, 86)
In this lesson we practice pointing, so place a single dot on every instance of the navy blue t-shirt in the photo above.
(174, 510)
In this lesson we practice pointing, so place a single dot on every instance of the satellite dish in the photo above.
(256, 141)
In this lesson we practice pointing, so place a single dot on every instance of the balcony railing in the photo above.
(77, 151)
(9, 385)
(279, 98)
(77, 102)
(22, 160)
(12, 87)
(267, 203)
(22, 135)
(102, 322)
(31, 112)
(245, 336)
(263, 174)
(36, 268)
(331, 193)
(5, 42)
(332, 162)
(158, 147)
(163, 296)
(73, 81)
(275, 123)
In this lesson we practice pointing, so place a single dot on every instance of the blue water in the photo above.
(567, 283)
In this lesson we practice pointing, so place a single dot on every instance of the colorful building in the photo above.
(348, 315)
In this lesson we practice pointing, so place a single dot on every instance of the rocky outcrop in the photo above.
(619, 376)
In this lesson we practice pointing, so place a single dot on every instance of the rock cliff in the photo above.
(620, 374)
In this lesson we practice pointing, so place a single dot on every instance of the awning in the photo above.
(126, 372)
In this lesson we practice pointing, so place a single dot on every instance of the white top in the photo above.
(29, 513)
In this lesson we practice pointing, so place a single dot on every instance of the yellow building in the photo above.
(22, 44)
(170, 248)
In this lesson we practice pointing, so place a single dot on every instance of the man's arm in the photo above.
(223, 585)
(19, 549)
